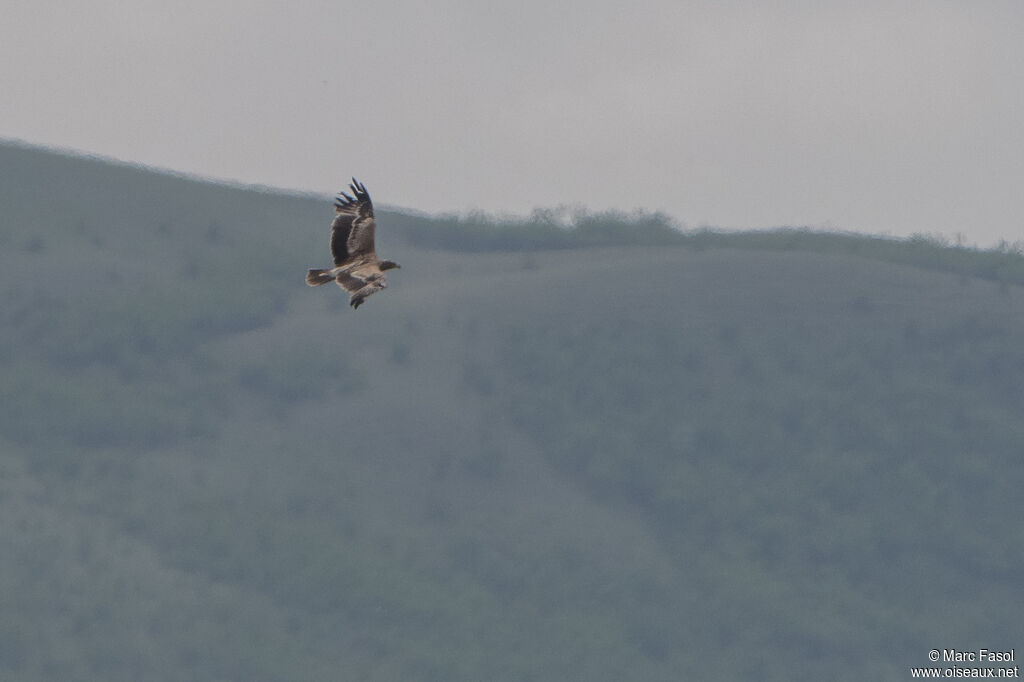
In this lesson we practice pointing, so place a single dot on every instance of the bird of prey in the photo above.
(357, 269)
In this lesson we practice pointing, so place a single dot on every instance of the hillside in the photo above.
(613, 452)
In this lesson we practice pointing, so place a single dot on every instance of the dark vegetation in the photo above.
(589, 448)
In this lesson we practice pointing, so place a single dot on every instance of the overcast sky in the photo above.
(887, 117)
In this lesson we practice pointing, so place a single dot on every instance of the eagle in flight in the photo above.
(357, 269)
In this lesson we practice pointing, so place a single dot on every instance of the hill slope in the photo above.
(638, 462)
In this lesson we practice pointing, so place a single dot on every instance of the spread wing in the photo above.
(353, 226)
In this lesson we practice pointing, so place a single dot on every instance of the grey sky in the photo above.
(884, 117)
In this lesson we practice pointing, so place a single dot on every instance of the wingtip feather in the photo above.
(358, 188)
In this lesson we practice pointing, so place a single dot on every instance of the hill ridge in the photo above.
(728, 455)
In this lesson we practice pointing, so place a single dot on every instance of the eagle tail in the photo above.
(315, 278)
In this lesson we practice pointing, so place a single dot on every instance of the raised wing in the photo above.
(353, 227)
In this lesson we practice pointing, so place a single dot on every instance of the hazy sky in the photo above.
(889, 117)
